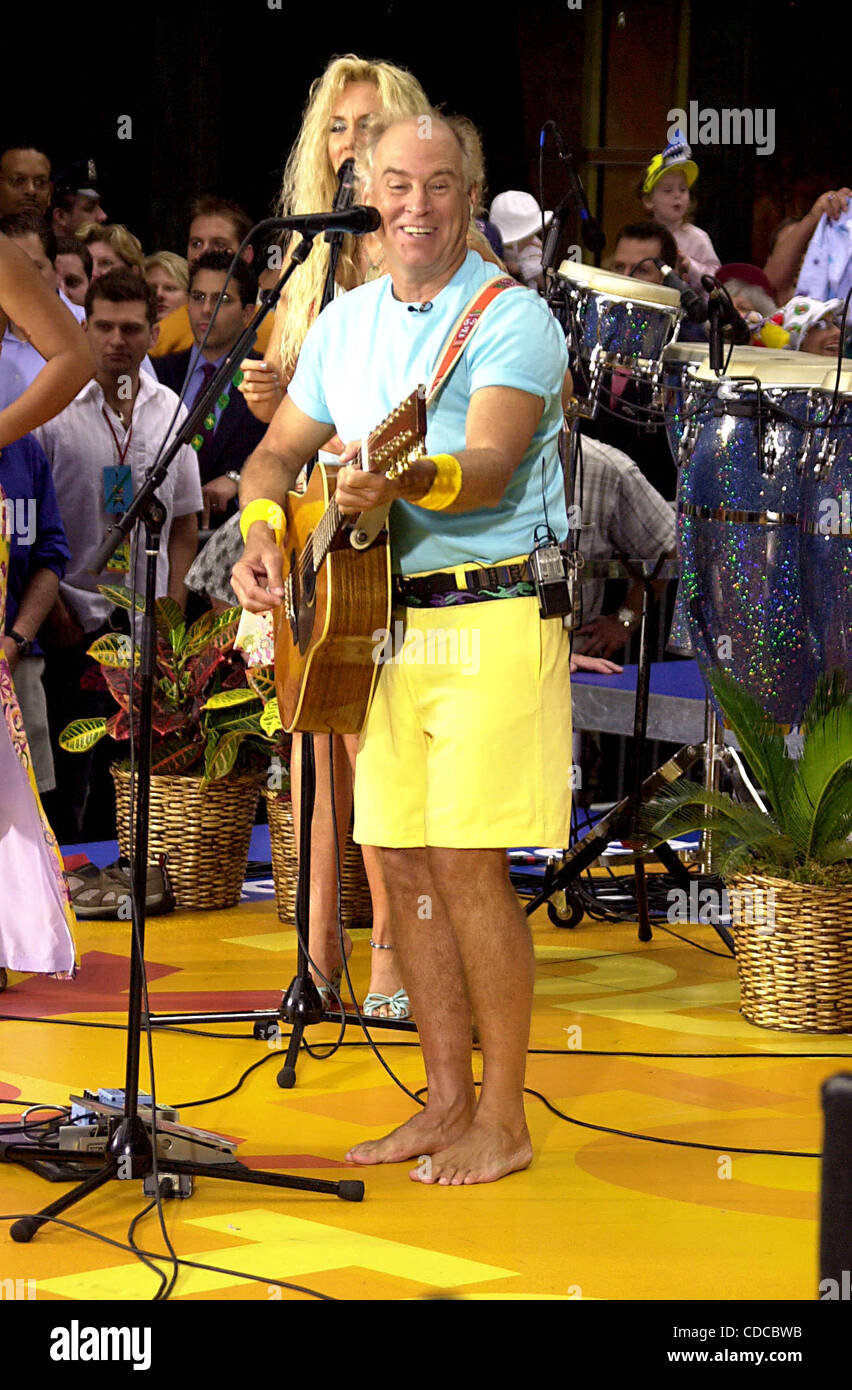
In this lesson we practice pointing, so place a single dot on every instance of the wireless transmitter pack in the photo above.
(552, 578)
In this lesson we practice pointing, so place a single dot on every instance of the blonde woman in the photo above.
(111, 246)
(340, 106)
(168, 275)
(342, 103)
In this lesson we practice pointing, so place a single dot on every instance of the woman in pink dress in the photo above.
(36, 919)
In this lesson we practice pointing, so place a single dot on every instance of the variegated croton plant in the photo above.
(212, 715)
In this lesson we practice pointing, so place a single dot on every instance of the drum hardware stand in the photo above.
(134, 1145)
(621, 821)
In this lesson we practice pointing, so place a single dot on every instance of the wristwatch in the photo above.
(23, 644)
(234, 477)
(628, 617)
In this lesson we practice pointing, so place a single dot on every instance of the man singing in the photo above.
(456, 762)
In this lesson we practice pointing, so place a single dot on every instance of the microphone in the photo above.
(719, 299)
(420, 308)
(345, 190)
(693, 305)
(590, 230)
(356, 220)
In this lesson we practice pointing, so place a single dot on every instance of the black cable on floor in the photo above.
(151, 1254)
(654, 1138)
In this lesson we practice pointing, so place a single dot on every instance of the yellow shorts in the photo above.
(467, 743)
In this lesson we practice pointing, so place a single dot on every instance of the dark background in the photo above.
(215, 92)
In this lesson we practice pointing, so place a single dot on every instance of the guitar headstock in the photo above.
(401, 437)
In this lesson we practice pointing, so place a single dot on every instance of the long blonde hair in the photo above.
(310, 183)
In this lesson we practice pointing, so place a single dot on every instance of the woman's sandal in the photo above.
(398, 1005)
(327, 992)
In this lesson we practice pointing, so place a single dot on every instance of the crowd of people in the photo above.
(84, 413)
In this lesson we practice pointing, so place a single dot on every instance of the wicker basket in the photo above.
(356, 904)
(204, 830)
(794, 958)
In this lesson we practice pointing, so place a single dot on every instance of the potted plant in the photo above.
(788, 865)
(210, 746)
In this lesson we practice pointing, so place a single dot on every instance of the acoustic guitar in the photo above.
(337, 588)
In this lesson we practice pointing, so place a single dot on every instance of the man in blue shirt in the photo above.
(467, 745)
(38, 555)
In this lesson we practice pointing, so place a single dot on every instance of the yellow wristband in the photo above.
(446, 484)
(263, 510)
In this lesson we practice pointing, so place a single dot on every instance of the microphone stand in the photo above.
(301, 1003)
(574, 201)
(132, 1147)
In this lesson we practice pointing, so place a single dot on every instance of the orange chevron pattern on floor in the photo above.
(599, 1215)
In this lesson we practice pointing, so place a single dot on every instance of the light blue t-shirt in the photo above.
(367, 351)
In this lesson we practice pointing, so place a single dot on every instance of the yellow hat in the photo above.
(676, 157)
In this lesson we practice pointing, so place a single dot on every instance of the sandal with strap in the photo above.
(325, 992)
(398, 1005)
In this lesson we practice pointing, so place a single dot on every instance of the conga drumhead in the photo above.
(685, 354)
(777, 367)
(606, 282)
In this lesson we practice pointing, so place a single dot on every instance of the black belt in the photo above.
(474, 582)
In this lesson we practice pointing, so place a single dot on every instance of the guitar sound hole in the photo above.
(309, 585)
(296, 596)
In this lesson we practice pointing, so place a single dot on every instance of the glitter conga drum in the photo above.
(826, 532)
(615, 321)
(738, 526)
(680, 362)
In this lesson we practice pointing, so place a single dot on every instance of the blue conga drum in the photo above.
(739, 498)
(615, 321)
(680, 362)
(826, 531)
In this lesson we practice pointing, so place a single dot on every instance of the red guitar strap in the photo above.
(464, 328)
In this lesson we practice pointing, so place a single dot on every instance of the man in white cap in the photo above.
(518, 217)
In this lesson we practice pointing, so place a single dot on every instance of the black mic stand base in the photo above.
(113, 1167)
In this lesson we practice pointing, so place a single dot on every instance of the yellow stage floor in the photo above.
(597, 1216)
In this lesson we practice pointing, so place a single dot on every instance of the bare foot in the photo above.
(484, 1153)
(422, 1134)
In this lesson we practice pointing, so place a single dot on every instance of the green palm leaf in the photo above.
(835, 851)
(737, 830)
(761, 741)
(822, 778)
(831, 693)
